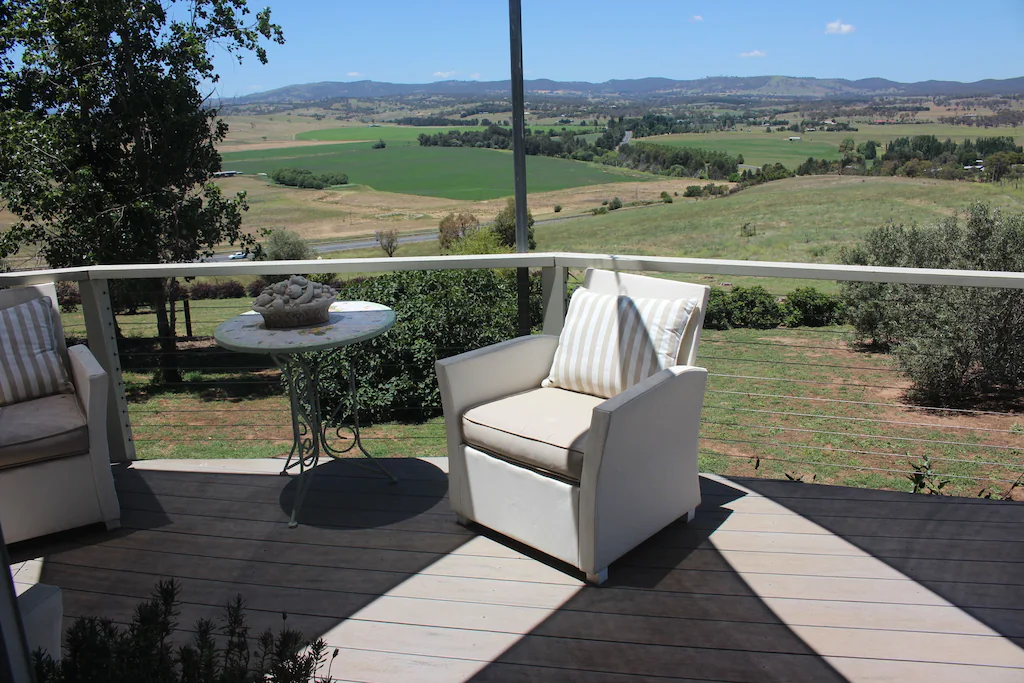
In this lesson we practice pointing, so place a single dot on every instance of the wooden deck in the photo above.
(774, 581)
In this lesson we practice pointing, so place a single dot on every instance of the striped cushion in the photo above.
(609, 343)
(30, 366)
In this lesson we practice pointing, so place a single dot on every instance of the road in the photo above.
(348, 245)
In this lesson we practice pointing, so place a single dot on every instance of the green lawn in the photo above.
(451, 172)
(759, 148)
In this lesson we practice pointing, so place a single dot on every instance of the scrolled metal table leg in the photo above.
(302, 379)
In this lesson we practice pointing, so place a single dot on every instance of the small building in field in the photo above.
(794, 137)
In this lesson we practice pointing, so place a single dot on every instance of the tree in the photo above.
(868, 150)
(954, 343)
(454, 227)
(285, 245)
(107, 145)
(848, 148)
(505, 226)
(388, 240)
(998, 165)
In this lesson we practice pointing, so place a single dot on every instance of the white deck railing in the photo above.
(100, 323)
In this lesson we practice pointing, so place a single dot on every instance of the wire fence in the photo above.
(808, 404)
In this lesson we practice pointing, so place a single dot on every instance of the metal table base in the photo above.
(310, 430)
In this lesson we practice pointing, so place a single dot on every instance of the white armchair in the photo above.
(579, 477)
(54, 459)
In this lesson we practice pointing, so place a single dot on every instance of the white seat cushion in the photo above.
(609, 343)
(543, 428)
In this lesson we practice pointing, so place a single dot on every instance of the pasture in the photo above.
(759, 148)
(450, 172)
(408, 135)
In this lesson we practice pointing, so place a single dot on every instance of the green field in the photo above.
(451, 172)
(759, 148)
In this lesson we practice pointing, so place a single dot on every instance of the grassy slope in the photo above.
(456, 173)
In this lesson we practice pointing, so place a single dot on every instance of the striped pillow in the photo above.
(609, 343)
(30, 366)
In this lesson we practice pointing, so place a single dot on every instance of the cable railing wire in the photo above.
(858, 419)
(864, 403)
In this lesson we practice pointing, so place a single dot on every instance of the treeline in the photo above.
(439, 121)
(677, 161)
(549, 143)
(301, 177)
(1003, 117)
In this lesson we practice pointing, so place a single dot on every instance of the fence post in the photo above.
(99, 325)
(554, 281)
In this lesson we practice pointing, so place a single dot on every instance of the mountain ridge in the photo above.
(737, 86)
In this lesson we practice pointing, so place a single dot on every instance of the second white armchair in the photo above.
(584, 473)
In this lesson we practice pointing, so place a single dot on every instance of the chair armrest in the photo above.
(640, 470)
(91, 387)
(480, 376)
(476, 377)
(90, 380)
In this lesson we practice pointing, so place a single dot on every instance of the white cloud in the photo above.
(839, 28)
(445, 74)
(696, 17)
(354, 73)
(753, 53)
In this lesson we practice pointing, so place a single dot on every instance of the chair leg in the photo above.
(462, 520)
(113, 524)
(688, 517)
(598, 578)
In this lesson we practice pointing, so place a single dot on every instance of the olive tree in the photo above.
(955, 343)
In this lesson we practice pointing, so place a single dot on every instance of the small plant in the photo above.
(924, 479)
(601, 210)
(748, 230)
(666, 197)
(558, 208)
(1015, 428)
(615, 203)
(98, 651)
(380, 144)
(604, 203)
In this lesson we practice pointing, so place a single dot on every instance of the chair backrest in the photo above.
(13, 296)
(643, 287)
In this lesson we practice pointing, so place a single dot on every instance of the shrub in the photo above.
(285, 245)
(716, 317)
(666, 197)
(380, 144)
(615, 203)
(230, 289)
(203, 290)
(599, 211)
(301, 177)
(439, 314)
(68, 296)
(98, 651)
(558, 208)
(955, 343)
(454, 227)
(807, 307)
(604, 203)
(753, 307)
(693, 191)
(256, 287)
(748, 230)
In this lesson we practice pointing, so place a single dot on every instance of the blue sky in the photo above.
(406, 41)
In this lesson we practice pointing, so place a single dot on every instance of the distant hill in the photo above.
(763, 86)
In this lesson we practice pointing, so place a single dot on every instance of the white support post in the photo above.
(554, 281)
(99, 325)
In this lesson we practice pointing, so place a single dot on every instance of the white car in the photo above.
(238, 255)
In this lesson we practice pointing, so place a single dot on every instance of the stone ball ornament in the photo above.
(295, 302)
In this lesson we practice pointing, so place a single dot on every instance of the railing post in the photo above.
(99, 325)
(555, 283)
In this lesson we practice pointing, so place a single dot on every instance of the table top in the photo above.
(350, 322)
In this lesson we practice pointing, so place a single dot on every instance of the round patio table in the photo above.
(292, 350)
